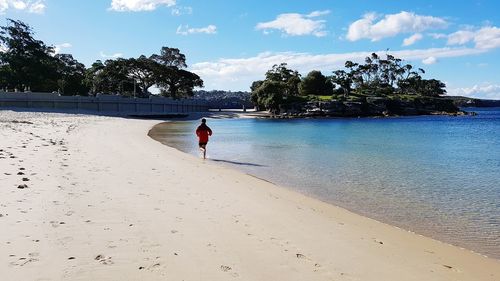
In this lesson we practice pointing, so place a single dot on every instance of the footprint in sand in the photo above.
(56, 223)
(316, 266)
(104, 260)
(32, 257)
(226, 268)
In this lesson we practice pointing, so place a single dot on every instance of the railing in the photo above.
(101, 103)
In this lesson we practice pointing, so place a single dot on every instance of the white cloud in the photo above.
(412, 39)
(239, 73)
(36, 7)
(19, 5)
(139, 5)
(58, 48)
(185, 30)
(484, 91)
(182, 11)
(484, 38)
(460, 37)
(438, 35)
(294, 24)
(392, 25)
(429, 60)
(318, 13)
(113, 56)
(488, 38)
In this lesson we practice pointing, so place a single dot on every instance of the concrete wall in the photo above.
(103, 103)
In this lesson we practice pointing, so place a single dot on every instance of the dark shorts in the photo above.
(202, 144)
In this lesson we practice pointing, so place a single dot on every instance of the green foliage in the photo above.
(27, 63)
(164, 70)
(280, 84)
(269, 94)
(71, 75)
(384, 77)
(290, 79)
(315, 83)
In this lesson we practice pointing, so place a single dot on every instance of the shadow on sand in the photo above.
(238, 163)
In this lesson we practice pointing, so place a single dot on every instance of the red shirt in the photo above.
(203, 131)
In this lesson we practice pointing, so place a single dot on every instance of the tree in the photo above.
(26, 62)
(93, 79)
(71, 75)
(143, 72)
(315, 83)
(433, 88)
(178, 83)
(140, 74)
(281, 84)
(170, 57)
(343, 80)
(269, 95)
(171, 78)
(111, 77)
(289, 78)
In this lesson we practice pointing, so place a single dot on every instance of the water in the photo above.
(435, 175)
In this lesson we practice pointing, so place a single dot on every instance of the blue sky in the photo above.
(232, 43)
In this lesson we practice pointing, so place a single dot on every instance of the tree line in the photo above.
(379, 77)
(28, 64)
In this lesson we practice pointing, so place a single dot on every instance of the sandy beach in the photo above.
(94, 198)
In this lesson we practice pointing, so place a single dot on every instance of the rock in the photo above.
(353, 108)
(22, 186)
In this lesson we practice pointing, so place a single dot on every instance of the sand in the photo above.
(94, 198)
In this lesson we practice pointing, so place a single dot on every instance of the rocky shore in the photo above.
(371, 107)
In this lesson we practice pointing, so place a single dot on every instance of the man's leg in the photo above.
(205, 151)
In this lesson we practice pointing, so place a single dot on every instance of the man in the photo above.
(203, 132)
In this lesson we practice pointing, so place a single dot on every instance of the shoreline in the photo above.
(425, 232)
(107, 202)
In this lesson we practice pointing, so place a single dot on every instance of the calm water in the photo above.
(436, 175)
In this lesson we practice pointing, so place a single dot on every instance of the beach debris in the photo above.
(22, 186)
(71, 258)
(225, 268)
